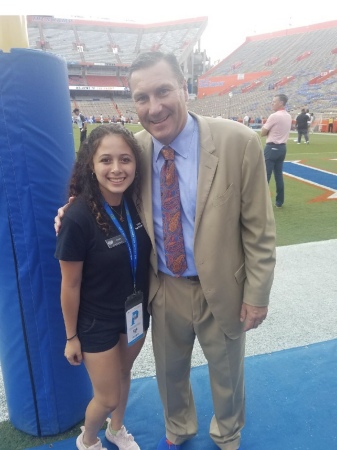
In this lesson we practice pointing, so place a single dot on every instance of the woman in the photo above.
(104, 253)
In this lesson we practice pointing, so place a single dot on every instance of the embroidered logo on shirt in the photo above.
(138, 225)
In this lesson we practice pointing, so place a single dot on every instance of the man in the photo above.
(311, 121)
(277, 129)
(330, 125)
(81, 123)
(302, 125)
(229, 242)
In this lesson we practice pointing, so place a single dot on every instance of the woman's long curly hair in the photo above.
(83, 182)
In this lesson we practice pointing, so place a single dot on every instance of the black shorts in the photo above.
(99, 335)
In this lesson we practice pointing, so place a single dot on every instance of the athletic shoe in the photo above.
(123, 439)
(278, 206)
(81, 446)
(307, 142)
(165, 444)
(298, 143)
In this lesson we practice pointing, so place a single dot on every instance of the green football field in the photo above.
(308, 213)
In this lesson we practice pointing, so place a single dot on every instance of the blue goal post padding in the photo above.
(45, 395)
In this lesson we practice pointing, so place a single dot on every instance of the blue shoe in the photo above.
(165, 444)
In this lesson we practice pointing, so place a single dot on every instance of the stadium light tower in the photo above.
(230, 95)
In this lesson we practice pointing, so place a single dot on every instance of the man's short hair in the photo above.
(283, 98)
(76, 110)
(149, 59)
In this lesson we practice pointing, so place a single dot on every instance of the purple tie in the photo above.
(171, 212)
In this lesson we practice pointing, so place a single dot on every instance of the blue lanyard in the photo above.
(133, 252)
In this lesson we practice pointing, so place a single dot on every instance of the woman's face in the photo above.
(114, 164)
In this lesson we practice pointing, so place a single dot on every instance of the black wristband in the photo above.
(72, 337)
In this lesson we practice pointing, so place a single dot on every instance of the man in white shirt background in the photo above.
(277, 129)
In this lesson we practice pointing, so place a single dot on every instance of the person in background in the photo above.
(81, 123)
(104, 252)
(206, 205)
(302, 125)
(311, 121)
(246, 120)
(330, 125)
(277, 129)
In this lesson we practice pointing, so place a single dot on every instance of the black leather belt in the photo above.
(193, 278)
(190, 277)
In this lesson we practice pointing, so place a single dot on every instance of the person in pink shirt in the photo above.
(277, 129)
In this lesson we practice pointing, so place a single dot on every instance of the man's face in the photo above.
(277, 104)
(160, 101)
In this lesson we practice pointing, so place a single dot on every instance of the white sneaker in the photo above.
(81, 446)
(123, 439)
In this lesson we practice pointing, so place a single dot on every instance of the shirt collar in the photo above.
(180, 144)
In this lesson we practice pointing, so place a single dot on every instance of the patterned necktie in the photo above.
(171, 212)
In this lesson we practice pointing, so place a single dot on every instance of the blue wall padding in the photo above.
(45, 395)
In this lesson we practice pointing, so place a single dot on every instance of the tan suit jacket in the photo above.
(234, 236)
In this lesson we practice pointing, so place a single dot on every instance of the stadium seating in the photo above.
(109, 108)
(317, 41)
(98, 55)
(91, 42)
(93, 80)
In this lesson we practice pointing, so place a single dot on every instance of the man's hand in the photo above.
(60, 214)
(252, 316)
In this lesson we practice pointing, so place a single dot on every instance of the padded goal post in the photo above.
(45, 395)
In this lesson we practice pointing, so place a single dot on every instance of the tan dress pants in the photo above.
(180, 312)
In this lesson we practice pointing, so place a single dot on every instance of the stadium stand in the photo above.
(98, 54)
(298, 56)
(89, 42)
(300, 62)
(94, 80)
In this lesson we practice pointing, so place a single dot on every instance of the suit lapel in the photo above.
(145, 210)
(207, 168)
